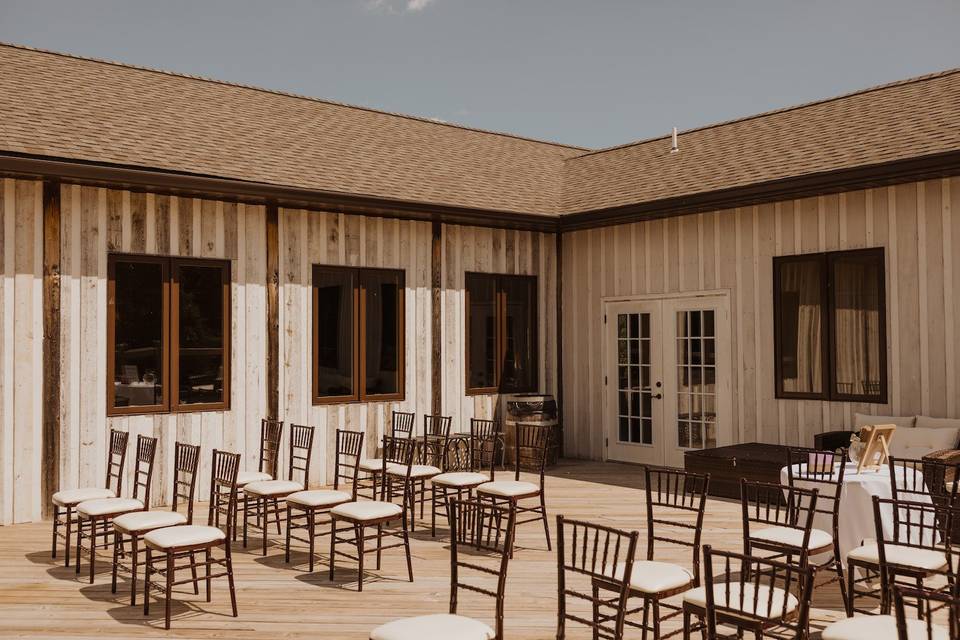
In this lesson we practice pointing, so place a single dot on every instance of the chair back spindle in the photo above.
(143, 469)
(186, 462)
(936, 607)
(223, 489)
(531, 443)
(397, 452)
(300, 453)
(672, 496)
(913, 480)
(402, 424)
(591, 555)
(436, 437)
(485, 445)
(116, 459)
(347, 463)
(270, 433)
(777, 505)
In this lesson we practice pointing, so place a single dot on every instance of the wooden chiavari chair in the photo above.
(183, 542)
(530, 454)
(939, 619)
(98, 513)
(68, 499)
(131, 527)
(672, 497)
(480, 538)
(401, 426)
(303, 507)
(433, 460)
(593, 559)
(761, 595)
(361, 514)
(779, 518)
(912, 480)
(266, 494)
(481, 454)
(268, 465)
(826, 475)
(916, 544)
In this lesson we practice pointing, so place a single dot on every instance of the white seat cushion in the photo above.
(650, 576)
(793, 537)
(246, 477)
(460, 479)
(509, 488)
(70, 497)
(416, 470)
(142, 521)
(441, 626)
(319, 498)
(108, 506)
(926, 559)
(187, 535)
(272, 487)
(371, 464)
(366, 510)
(767, 605)
(878, 628)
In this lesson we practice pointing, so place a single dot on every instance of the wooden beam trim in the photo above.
(436, 321)
(50, 433)
(559, 321)
(273, 310)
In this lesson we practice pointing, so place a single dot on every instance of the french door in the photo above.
(666, 377)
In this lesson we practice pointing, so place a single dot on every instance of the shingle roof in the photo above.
(64, 106)
(69, 107)
(902, 120)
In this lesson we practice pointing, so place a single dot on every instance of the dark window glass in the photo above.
(334, 308)
(138, 317)
(482, 338)
(200, 348)
(358, 334)
(830, 326)
(381, 293)
(501, 333)
(168, 327)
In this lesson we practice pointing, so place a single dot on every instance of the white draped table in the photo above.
(855, 522)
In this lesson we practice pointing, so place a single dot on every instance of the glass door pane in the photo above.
(696, 378)
(634, 391)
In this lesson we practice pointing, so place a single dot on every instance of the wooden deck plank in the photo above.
(40, 598)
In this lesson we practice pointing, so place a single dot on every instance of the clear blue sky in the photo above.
(590, 72)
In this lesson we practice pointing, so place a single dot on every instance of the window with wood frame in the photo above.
(168, 334)
(358, 334)
(501, 333)
(830, 326)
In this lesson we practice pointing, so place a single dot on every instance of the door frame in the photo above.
(726, 429)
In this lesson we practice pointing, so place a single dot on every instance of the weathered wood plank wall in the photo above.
(98, 221)
(21, 349)
(733, 250)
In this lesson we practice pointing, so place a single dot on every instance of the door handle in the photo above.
(658, 396)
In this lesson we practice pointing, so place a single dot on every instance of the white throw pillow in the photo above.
(918, 442)
(864, 419)
(938, 423)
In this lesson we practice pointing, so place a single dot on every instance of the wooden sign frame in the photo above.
(876, 448)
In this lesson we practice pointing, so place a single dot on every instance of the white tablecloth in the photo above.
(855, 521)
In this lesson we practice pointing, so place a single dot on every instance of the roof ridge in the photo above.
(880, 87)
(290, 94)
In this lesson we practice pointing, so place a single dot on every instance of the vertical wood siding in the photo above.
(733, 250)
(495, 251)
(21, 344)
(98, 221)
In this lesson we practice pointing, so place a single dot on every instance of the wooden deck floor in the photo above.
(39, 598)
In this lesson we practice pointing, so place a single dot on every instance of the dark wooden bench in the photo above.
(727, 465)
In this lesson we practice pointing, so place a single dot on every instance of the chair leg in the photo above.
(276, 514)
(79, 545)
(546, 525)
(93, 547)
(838, 566)
(358, 531)
(147, 570)
(851, 590)
(286, 546)
(134, 551)
(433, 510)
(233, 591)
(207, 557)
(113, 571)
(168, 592)
(379, 543)
(66, 546)
(56, 524)
(262, 506)
(406, 550)
(333, 545)
(193, 573)
(656, 619)
(686, 626)
(312, 531)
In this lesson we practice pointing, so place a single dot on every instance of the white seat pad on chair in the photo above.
(246, 477)
(878, 628)
(108, 506)
(926, 559)
(767, 605)
(70, 497)
(141, 521)
(367, 510)
(371, 464)
(318, 498)
(416, 471)
(272, 487)
(793, 537)
(441, 626)
(509, 488)
(460, 479)
(186, 535)
(649, 576)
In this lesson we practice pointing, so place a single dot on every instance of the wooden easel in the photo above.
(876, 447)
